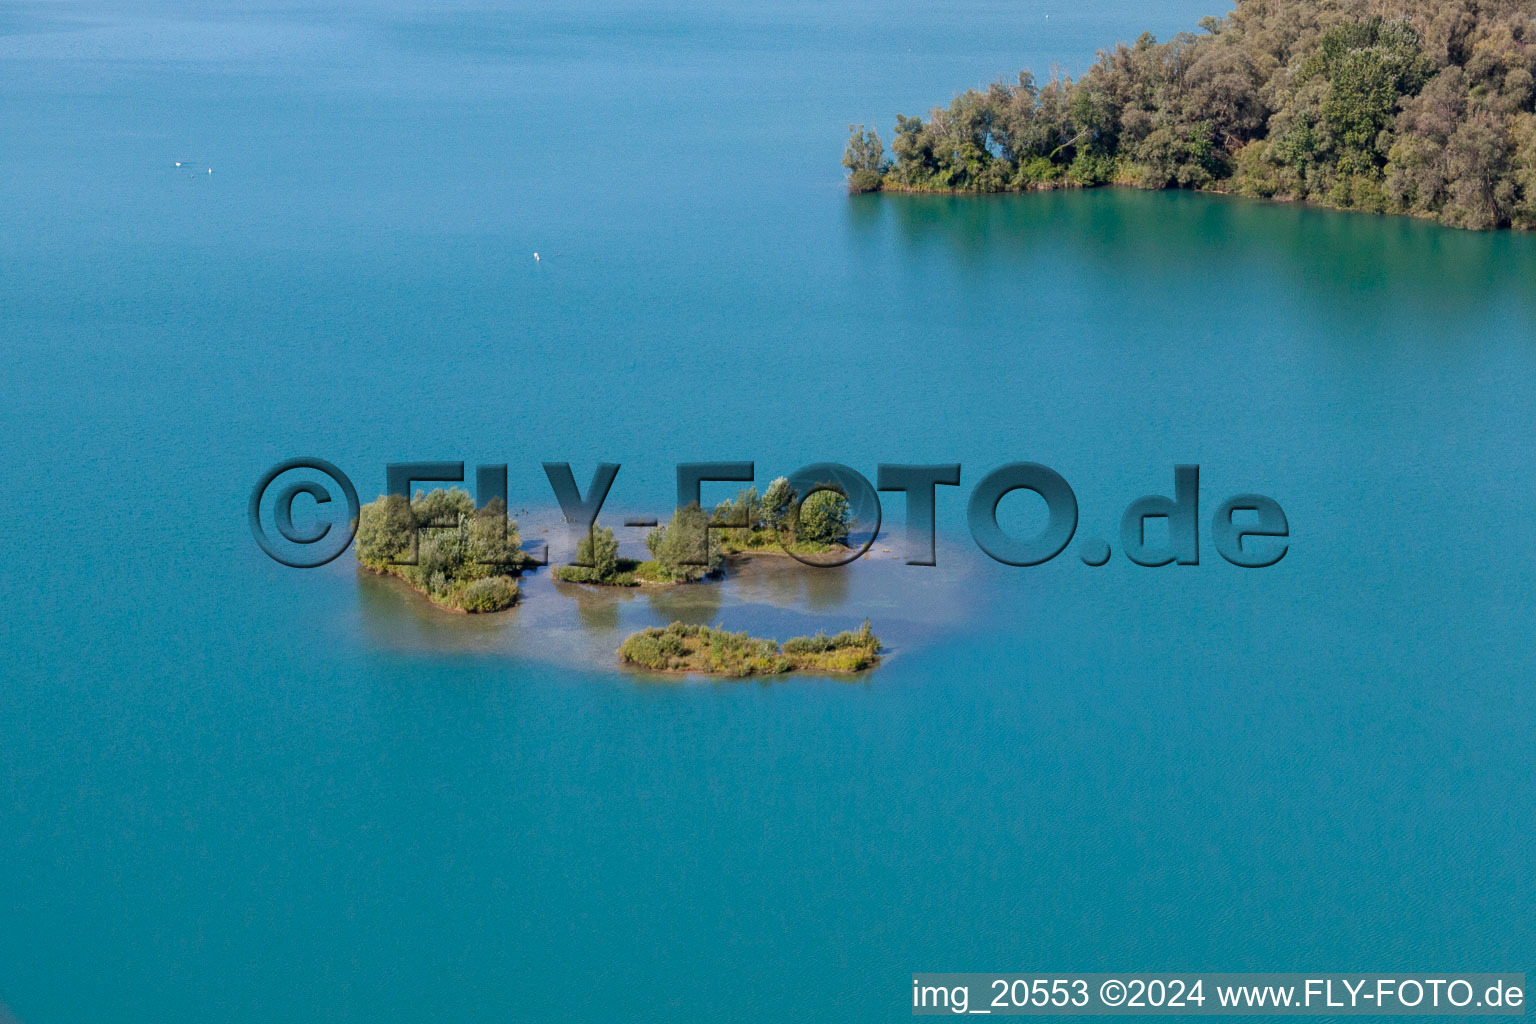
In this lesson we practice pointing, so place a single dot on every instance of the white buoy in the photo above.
(210, 170)
(178, 163)
(535, 257)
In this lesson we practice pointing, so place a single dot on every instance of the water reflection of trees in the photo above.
(393, 616)
(693, 603)
(597, 608)
(1166, 239)
(786, 583)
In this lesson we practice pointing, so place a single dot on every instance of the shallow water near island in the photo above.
(766, 594)
(235, 791)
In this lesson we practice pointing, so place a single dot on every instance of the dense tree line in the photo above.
(1425, 107)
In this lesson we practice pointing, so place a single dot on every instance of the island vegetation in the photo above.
(678, 550)
(1424, 107)
(775, 522)
(717, 652)
(467, 559)
(675, 547)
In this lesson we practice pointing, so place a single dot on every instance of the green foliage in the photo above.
(821, 523)
(865, 159)
(860, 639)
(625, 573)
(599, 549)
(861, 181)
(685, 648)
(744, 511)
(1179, 156)
(491, 594)
(825, 518)
(1523, 212)
(777, 499)
(740, 524)
(1091, 168)
(385, 532)
(466, 558)
(733, 542)
(678, 545)
(1363, 70)
(1427, 112)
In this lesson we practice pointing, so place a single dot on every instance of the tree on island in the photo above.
(865, 159)
(600, 550)
(682, 551)
(676, 546)
(776, 503)
(465, 558)
(821, 522)
(598, 561)
(825, 519)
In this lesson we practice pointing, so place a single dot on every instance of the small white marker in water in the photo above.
(178, 163)
(210, 170)
(535, 257)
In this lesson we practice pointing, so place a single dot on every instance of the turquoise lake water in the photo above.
(239, 792)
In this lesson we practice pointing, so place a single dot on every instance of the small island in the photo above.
(1429, 112)
(742, 527)
(682, 648)
(466, 559)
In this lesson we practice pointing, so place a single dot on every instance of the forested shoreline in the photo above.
(1422, 107)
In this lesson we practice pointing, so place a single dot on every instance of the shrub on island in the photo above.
(717, 652)
(491, 594)
(824, 520)
(820, 524)
(674, 547)
(679, 544)
(678, 548)
(598, 561)
(466, 558)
